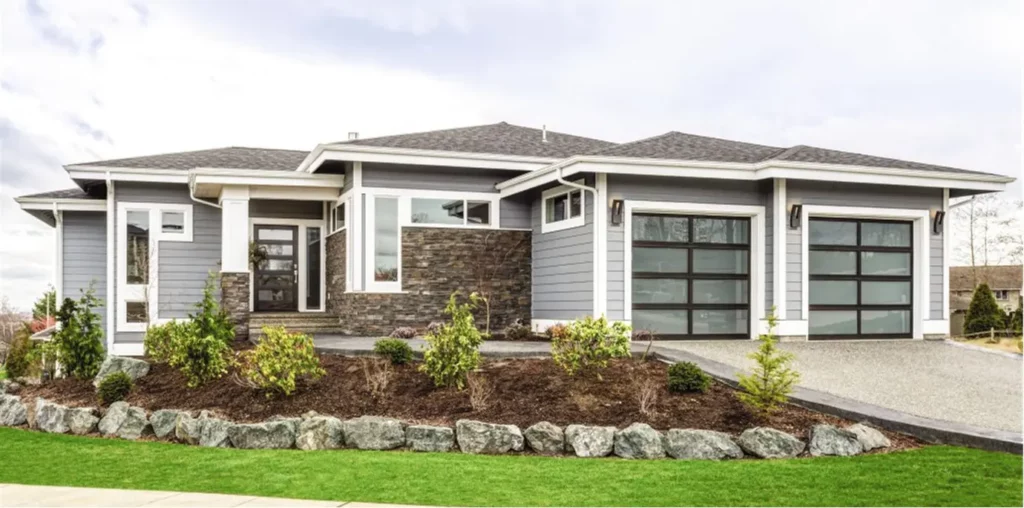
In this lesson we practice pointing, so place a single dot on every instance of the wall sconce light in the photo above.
(794, 215)
(617, 206)
(940, 217)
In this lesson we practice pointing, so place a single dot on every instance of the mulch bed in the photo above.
(525, 391)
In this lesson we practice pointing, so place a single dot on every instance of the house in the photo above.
(1005, 281)
(685, 235)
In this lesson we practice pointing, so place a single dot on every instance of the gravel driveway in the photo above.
(926, 378)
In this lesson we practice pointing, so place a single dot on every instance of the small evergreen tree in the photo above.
(46, 305)
(983, 313)
(78, 343)
(1017, 317)
(211, 319)
(772, 380)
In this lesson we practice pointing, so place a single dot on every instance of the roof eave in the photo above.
(365, 153)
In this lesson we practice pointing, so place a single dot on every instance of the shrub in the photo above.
(687, 377)
(453, 351)
(21, 360)
(556, 331)
(434, 327)
(479, 391)
(159, 342)
(646, 393)
(1017, 317)
(114, 387)
(397, 350)
(279, 360)
(199, 358)
(518, 331)
(78, 343)
(590, 343)
(378, 374)
(772, 380)
(403, 332)
(210, 318)
(983, 314)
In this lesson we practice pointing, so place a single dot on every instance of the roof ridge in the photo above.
(422, 132)
(631, 143)
(182, 152)
(785, 152)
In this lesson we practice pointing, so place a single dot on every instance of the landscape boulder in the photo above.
(188, 429)
(320, 433)
(701, 445)
(294, 421)
(9, 387)
(113, 418)
(427, 438)
(374, 433)
(487, 438)
(870, 438)
(272, 434)
(50, 416)
(831, 440)
(590, 441)
(81, 420)
(134, 425)
(164, 422)
(133, 367)
(768, 443)
(545, 438)
(213, 432)
(12, 411)
(639, 441)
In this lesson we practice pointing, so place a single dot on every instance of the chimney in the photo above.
(353, 135)
(544, 133)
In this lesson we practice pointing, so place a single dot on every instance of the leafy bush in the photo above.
(21, 360)
(453, 351)
(772, 380)
(159, 344)
(199, 358)
(687, 377)
(78, 343)
(397, 350)
(518, 331)
(403, 332)
(114, 387)
(556, 331)
(983, 314)
(279, 360)
(210, 318)
(589, 343)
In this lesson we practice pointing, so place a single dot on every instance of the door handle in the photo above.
(295, 275)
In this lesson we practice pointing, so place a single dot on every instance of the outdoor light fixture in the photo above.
(617, 206)
(940, 217)
(794, 215)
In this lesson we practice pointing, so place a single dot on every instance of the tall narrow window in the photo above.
(385, 244)
(312, 268)
(137, 247)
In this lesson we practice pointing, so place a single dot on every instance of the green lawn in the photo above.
(930, 476)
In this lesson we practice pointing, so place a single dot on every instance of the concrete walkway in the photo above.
(34, 495)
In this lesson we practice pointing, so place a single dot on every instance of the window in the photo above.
(563, 208)
(385, 240)
(172, 222)
(312, 268)
(337, 218)
(136, 312)
(137, 246)
(861, 280)
(449, 212)
(691, 275)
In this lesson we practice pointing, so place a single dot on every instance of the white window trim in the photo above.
(332, 217)
(757, 249)
(922, 244)
(303, 225)
(571, 222)
(139, 292)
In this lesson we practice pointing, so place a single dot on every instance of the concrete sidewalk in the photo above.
(34, 495)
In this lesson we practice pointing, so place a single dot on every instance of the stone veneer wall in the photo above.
(234, 298)
(436, 262)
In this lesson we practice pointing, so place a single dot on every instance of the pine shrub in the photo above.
(210, 318)
(78, 343)
(686, 377)
(200, 358)
(453, 351)
(984, 313)
(280, 360)
(397, 351)
(769, 386)
(114, 387)
(21, 360)
(590, 343)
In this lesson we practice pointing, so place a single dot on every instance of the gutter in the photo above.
(192, 192)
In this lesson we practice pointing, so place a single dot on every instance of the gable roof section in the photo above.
(234, 157)
(681, 146)
(962, 278)
(803, 153)
(500, 138)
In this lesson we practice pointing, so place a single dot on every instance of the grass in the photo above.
(1006, 345)
(931, 476)
(3, 373)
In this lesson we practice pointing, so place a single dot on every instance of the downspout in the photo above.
(192, 192)
(112, 296)
(598, 208)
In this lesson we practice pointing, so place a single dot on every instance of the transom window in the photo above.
(691, 275)
(861, 278)
(453, 212)
(563, 208)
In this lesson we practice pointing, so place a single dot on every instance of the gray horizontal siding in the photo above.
(283, 209)
(935, 274)
(515, 213)
(85, 257)
(440, 178)
(768, 197)
(563, 266)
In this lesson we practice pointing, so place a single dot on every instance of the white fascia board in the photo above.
(64, 205)
(362, 153)
(295, 193)
(939, 181)
(78, 172)
(220, 176)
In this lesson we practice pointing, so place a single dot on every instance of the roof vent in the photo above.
(353, 135)
(544, 133)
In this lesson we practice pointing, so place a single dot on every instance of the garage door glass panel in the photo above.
(833, 322)
(659, 260)
(660, 290)
(720, 291)
(885, 263)
(719, 322)
(717, 230)
(881, 293)
(832, 233)
(885, 321)
(720, 261)
(833, 263)
(661, 228)
(834, 292)
(661, 322)
(885, 234)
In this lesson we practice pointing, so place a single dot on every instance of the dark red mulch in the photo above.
(525, 392)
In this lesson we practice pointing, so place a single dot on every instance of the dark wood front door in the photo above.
(277, 277)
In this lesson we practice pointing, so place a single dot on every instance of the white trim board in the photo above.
(780, 227)
(569, 222)
(75, 205)
(756, 214)
(922, 232)
(364, 153)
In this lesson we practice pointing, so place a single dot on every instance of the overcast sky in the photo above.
(929, 81)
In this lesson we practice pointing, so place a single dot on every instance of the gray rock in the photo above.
(277, 434)
(188, 429)
(113, 418)
(768, 443)
(831, 440)
(310, 414)
(294, 421)
(50, 416)
(374, 433)
(427, 438)
(639, 441)
(869, 438)
(480, 437)
(213, 432)
(81, 420)
(9, 387)
(12, 411)
(589, 441)
(135, 424)
(701, 445)
(133, 367)
(164, 421)
(546, 438)
(320, 433)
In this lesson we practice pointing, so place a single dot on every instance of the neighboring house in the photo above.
(1005, 281)
(690, 236)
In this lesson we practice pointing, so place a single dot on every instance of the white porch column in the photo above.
(234, 247)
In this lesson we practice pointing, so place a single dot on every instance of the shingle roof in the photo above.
(499, 138)
(964, 278)
(235, 157)
(802, 153)
(72, 193)
(681, 146)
